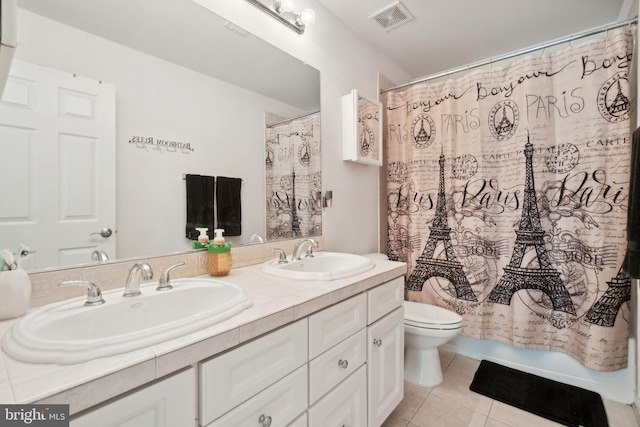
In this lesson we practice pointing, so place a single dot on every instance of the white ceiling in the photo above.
(444, 34)
(184, 33)
(447, 34)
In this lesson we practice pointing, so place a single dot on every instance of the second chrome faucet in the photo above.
(298, 249)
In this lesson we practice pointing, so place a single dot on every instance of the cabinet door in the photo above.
(167, 403)
(385, 359)
(345, 405)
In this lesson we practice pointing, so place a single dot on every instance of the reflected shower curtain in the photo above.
(507, 197)
(293, 161)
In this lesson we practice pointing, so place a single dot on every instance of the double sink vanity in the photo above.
(311, 342)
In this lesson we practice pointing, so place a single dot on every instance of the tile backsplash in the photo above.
(45, 287)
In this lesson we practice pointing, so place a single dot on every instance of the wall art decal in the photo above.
(149, 143)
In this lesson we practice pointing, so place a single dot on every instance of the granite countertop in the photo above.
(276, 302)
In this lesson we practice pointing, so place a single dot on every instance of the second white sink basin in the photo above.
(323, 266)
(68, 332)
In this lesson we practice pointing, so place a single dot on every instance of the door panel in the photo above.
(58, 133)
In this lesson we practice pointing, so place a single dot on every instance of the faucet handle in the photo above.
(309, 253)
(283, 256)
(165, 281)
(94, 295)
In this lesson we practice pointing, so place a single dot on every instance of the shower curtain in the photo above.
(293, 176)
(507, 196)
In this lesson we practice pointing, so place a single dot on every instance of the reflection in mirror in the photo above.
(186, 102)
(293, 176)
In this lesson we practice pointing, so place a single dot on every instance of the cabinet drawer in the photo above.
(169, 402)
(346, 405)
(332, 325)
(384, 299)
(277, 406)
(233, 377)
(336, 364)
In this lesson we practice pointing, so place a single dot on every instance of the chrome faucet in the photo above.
(99, 256)
(133, 281)
(299, 246)
(165, 281)
(94, 295)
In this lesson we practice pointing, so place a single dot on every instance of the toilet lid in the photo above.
(416, 312)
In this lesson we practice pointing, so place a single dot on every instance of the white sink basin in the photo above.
(323, 266)
(68, 332)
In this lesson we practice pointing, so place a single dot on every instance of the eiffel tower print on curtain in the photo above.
(605, 310)
(544, 277)
(450, 268)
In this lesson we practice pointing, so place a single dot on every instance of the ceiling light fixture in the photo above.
(284, 11)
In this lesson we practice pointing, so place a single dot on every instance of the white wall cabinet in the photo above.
(341, 366)
(168, 403)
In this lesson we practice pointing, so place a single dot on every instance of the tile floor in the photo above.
(452, 404)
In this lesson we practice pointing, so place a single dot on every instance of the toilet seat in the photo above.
(429, 316)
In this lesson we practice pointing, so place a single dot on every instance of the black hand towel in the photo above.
(632, 259)
(200, 199)
(229, 206)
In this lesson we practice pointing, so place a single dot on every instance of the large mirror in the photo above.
(191, 91)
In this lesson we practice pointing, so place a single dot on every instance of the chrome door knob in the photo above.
(105, 232)
(343, 363)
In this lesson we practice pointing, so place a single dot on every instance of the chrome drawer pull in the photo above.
(264, 420)
(377, 342)
(343, 363)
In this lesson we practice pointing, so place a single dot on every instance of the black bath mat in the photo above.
(562, 403)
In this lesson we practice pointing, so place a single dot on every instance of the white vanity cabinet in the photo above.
(357, 358)
(340, 366)
(166, 403)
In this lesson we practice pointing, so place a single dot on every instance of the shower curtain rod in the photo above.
(292, 119)
(568, 39)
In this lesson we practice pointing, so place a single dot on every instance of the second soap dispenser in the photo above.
(219, 256)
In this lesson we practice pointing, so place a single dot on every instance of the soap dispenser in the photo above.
(218, 238)
(203, 238)
(219, 256)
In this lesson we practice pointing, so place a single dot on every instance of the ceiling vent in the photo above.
(393, 16)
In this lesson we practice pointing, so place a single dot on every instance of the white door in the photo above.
(57, 167)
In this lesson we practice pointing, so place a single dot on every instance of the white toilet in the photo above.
(426, 327)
